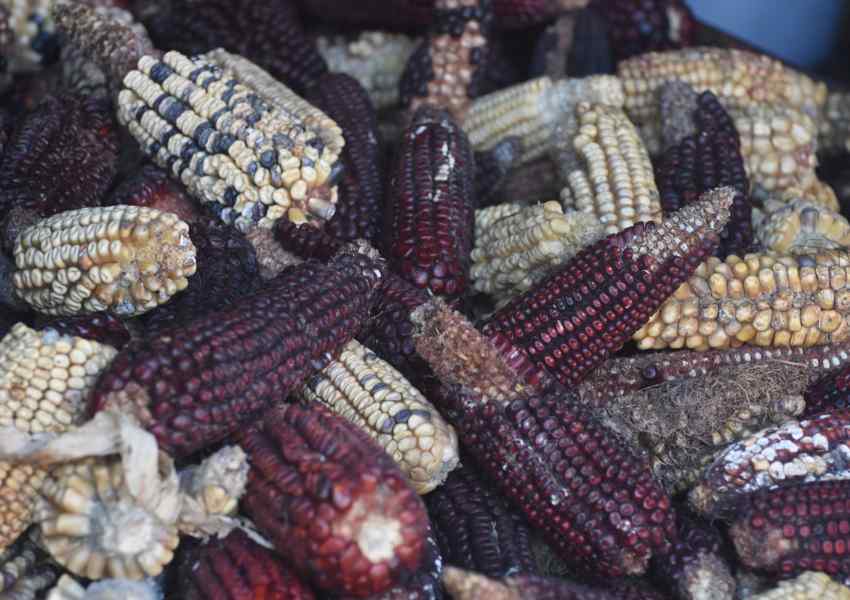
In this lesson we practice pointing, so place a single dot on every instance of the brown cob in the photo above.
(334, 504)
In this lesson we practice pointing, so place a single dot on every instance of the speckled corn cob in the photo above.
(801, 227)
(834, 125)
(103, 328)
(795, 452)
(235, 362)
(35, 40)
(44, 380)
(639, 26)
(431, 205)
(152, 188)
(123, 259)
(378, 399)
(334, 504)
(516, 247)
(572, 321)
(808, 586)
(829, 393)
(605, 168)
(761, 299)
(67, 588)
(234, 568)
(493, 167)
(475, 530)
(677, 102)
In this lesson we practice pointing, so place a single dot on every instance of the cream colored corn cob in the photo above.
(802, 226)
(369, 392)
(810, 585)
(760, 299)
(516, 246)
(834, 126)
(605, 168)
(122, 259)
(67, 588)
(44, 380)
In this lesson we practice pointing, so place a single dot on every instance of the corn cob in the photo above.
(378, 399)
(334, 504)
(829, 393)
(63, 155)
(234, 567)
(67, 588)
(612, 287)
(103, 328)
(808, 586)
(23, 571)
(306, 242)
(34, 40)
(475, 530)
(536, 181)
(152, 188)
(16, 221)
(762, 299)
(605, 168)
(358, 210)
(431, 205)
(834, 125)
(493, 167)
(591, 52)
(516, 247)
(123, 259)
(636, 27)
(272, 259)
(677, 101)
(802, 227)
(795, 452)
(32, 587)
(44, 380)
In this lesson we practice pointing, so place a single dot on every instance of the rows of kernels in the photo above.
(802, 226)
(834, 126)
(17, 562)
(808, 586)
(370, 393)
(606, 169)
(124, 259)
(761, 299)
(67, 588)
(516, 247)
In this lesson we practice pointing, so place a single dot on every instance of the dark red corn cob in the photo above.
(380, 14)
(306, 242)
(152, 187)
(236, 568)
(475, 530)
(195, 383)
(638, 26)
(103, 327)
(332, 501)
(706, 160)
(832, 392)
(61, 157)
(788, 530)
(573, 320)
(360, 195)
(493, 166)
(431, 205)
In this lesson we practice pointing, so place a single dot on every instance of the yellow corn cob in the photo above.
(44, 380)
(605, 168)
(802, 226)
(516, 246)
(369, 392)
(124, 259)
(760, 299)
(808, 586)
(834, 125)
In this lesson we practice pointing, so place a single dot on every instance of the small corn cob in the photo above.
(234, 568)
(834, 125)
(431, 205)
(152, 188)
(334, 504)
(475, 530)
(34, 40)
(62, 156)
(67, 588)
(802, 227)
(494, 166)
(639, 26)
(536, 181)
(378, 399)
(808, 586)
(794, 529)
(831, 392)
(358, 210)
(195, 383)
(605, 168)
(574, 319)
(677, 101)
(762, 299)
(795, 452)
(516, 247)
(123, 259)
(44, 380)
(103, 328)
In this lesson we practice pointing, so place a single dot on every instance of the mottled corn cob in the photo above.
(234, 568)
(802, 227)
(62, 156)
(795, 452)
(430, 209)
(762, 299)
(572, 321)
(829, 393)
(19, 567)
(475, 530)
(639, 26)
(123, 259)
(808, 586)
(516, 247)
(32, 586)
(195, 383)
(34, 40)
(151, 187)
(536, 181)
(333, 503)
(605, 168)
(103, 328)
(378, 399)
(67, 588)
(44, 380)
(358, 210)
(494, 166)
(272, 259)
(834, 124)
(677, 102)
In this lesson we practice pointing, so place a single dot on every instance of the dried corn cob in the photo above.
(378, 399)
(424, 584)
(808, 586)
(16, 221)
(19, 566)
(151, 187)
(605, 168)
(762, 299)
(829, 393)
(677, 101)
(233, 567)
(103, 328)
(475, 530)
(35, 42)
(358, 210)
(794, 452)
(431, 205)
(574, 319)
(802, 227)
(67, 588)
(233, 363)
(494, 166)
(639, 26)
(306, 242)
(44, 380)
(536, 181)
(123, 259)
(516, 247)
(834, 124)
(32, 586)
(334, 504)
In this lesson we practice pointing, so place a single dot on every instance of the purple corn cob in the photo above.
(832, 392)
(306, 242)
(638, 26)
